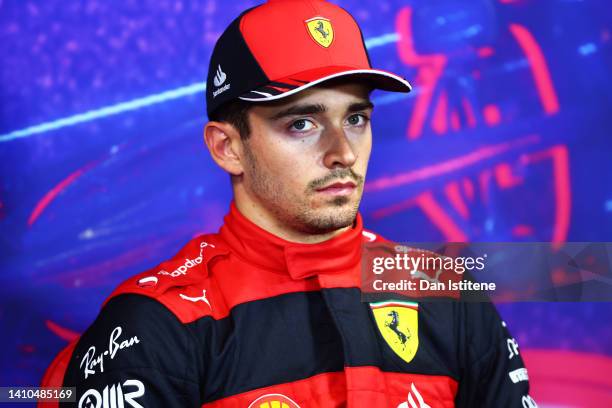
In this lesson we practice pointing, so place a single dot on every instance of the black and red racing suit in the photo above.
(243, 318)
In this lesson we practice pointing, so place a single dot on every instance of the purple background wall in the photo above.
(506, 137)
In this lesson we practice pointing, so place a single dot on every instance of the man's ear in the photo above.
(224, 144)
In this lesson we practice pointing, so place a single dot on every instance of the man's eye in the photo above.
(302, 125)
(357, 120)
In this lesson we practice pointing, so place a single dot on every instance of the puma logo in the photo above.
(196, 299)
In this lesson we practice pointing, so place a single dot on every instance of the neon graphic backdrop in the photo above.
(506, 137)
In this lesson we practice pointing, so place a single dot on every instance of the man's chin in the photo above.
(334, 214)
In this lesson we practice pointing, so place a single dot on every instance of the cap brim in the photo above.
(284, 87)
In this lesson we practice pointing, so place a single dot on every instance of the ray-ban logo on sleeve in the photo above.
(93, 362)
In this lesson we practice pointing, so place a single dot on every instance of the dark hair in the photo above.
(236, 113)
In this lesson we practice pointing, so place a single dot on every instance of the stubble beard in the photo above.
(295, 211)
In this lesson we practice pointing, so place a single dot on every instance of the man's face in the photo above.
(306, 158)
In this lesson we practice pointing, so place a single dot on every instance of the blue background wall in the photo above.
(506, 137)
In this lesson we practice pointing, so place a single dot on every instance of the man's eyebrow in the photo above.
(311, 109)
(359, 106)
(299, 110)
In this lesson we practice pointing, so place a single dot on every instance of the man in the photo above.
(267, 312)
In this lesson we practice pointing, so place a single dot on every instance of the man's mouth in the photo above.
(338, 188)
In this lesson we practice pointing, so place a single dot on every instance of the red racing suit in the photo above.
(244, 319)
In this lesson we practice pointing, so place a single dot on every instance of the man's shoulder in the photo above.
(145, 313)
(181, 282)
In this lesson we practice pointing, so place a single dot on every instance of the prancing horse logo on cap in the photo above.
(321, 30)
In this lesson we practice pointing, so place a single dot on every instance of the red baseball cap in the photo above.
(284, 46)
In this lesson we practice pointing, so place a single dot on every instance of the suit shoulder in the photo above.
(179, 283)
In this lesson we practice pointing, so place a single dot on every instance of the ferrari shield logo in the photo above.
(398, 323)
(321, 30)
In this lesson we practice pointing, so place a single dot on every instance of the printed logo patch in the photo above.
(218, 80)
(195, 299)
(220, 76)
(116, 396)
(273, 401)
(92, 361)
(398, 323)
(320, 30)
(414, 399)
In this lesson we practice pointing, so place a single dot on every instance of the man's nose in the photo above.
(339, 152)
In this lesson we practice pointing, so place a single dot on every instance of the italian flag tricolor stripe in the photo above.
(390, 303)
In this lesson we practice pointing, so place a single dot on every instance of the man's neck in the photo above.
(259, 216)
